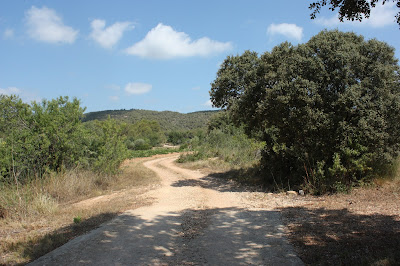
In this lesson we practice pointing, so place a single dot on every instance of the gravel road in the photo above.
(195, 220)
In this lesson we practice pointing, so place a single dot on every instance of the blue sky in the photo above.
(155, 55)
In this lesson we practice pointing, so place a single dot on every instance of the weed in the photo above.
(77, 219)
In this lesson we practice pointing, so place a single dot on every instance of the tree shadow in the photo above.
(228, 236)
(339, 237)
(36, 247)
(229, 181)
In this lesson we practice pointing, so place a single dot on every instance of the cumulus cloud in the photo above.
(10, 90)
(208, 103)
(138, 88)
(291, 31)
(381, 16)
(163, 42)
(26, 96)
(8, 34)
(44, 24)
(108, 37)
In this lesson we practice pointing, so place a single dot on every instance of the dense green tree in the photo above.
(108, 147)
(39, 137)
(351, 9)
(328, 109)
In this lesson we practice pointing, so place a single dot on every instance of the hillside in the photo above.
(168, 120)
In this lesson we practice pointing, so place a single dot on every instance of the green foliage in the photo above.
(225, 141)
(40, 137)
(328, 110)
(148, 153)
(167, 120)
(77, 219)
(350, 9)
(109, 147)
(185, 137)
(176, 137)
(49, 137)
(191, 157)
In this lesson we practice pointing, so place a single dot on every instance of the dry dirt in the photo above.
(359, 228)
(195, 219)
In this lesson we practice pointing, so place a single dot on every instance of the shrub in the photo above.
(328, 110)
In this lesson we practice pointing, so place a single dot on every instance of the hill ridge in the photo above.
(168, 120)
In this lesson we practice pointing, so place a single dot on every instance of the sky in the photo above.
(153, 55)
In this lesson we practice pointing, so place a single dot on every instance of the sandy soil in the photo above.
(195, 219)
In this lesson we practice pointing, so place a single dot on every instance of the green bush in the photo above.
(328, 110)
(39, 138)
(140, 144)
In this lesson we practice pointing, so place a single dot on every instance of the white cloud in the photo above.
(381, 16)
(8, 33)
(163, 42)
(138, 88)
(208, 103)
(10, 90)
(291, 31)
(26, 96)
(44, 24)
(114, 98)
(108, 37)
(196, 88)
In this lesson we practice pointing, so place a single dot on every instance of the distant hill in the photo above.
(168, 120)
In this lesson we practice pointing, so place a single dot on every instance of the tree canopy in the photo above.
(329, 109)
(350, 9)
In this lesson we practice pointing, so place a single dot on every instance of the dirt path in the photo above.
(195, 219)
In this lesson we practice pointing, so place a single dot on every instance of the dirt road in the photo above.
(195, 219)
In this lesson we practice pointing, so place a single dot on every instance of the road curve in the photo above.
(195, 220)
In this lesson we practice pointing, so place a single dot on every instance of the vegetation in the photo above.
(350, 9)
(169, 121)
(47, 137)
(48, 155)
(48, 212)
(328, 110)
(225, 141)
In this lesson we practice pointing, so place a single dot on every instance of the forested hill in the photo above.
(168, 120)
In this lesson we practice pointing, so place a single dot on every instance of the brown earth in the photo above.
(359, 228)
(195, 219)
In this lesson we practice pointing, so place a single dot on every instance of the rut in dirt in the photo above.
(195, 219)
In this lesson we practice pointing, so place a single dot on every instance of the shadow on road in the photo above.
(222, 182)
(339, 237)
(220, 236)
(33, 249)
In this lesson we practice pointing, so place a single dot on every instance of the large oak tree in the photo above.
(329, 109)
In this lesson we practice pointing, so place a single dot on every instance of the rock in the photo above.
(291, 193)
(301, 192)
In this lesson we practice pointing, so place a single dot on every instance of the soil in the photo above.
(194, 219)
(359, 228)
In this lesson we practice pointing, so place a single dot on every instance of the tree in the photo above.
(328, 110)
(350, 9)
(39, 137)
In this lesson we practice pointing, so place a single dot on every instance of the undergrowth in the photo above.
(41, 215)
(151, 152)
(234, 148)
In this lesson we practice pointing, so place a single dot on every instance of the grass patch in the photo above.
(149, 153)
(45, 214)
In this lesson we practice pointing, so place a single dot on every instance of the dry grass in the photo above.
(39, 218)
(210, 165)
